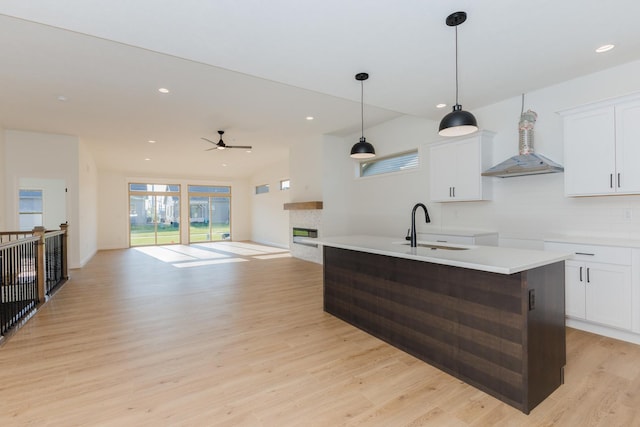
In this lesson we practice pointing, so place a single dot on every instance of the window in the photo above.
(261, 189)
(285, 184)
(30, 209)
(394, 163)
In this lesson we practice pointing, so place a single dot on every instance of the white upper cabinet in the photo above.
(628, 147)
(455, 168)
(602, 146)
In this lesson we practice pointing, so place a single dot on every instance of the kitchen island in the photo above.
(490, 316)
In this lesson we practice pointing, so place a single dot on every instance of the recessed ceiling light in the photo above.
(441, 105)
(248, 151)
(151, 141)
(62, 98)
(224, 165)
(147, 159)
(605, 48)
(163, 90)
(310, 117)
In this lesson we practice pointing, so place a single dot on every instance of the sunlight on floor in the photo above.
(201, 263)
(286, 255)
(199, 254)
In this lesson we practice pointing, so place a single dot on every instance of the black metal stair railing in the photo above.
(19, 281)
(54, 261)
(33, 265)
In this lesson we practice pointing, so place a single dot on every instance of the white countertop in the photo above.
(464, 232)
(596, 240)
(485, 258)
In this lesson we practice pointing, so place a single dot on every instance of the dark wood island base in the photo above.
(502, 333)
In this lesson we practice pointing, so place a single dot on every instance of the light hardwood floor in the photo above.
(131, 340)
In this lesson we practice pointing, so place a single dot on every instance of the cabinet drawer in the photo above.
(583, 252)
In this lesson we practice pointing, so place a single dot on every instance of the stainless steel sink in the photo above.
(434, 247)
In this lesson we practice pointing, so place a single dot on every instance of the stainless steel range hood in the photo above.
(523, 164)
(526, 162)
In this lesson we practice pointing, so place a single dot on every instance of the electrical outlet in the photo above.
(627, 214)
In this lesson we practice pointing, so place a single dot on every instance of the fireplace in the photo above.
(301, 236)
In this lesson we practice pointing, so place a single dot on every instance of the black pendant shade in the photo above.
(362, 149)
(457, 122)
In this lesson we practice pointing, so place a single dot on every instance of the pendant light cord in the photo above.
(457, 65)
(362, 107)
(522, 107)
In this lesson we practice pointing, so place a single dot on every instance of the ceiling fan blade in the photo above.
(212, 148)
(208, 140)
(246, 147)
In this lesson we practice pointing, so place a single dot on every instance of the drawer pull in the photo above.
(585, 253)
(441, 241)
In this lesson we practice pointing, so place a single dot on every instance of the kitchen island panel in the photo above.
(472, 324)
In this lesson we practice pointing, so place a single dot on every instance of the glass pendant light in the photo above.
(458, 122)
(362, 149)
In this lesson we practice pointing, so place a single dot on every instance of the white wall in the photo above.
(523, 210)
(269, 221)
(45, 156)
(3, 224)
(113, 206)
(87, 200)
(382, 204)
(306, 169)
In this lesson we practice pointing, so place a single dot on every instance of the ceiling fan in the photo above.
(220, 145)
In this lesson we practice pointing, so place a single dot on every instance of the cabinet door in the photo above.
(608, 294)
(442, 172)
(589, 141)
(574, 288)
(468, 185)
(628, 147)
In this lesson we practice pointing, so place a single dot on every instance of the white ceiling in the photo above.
(257, 68)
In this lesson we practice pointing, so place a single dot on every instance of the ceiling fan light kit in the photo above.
(458, 122)
(362, 149)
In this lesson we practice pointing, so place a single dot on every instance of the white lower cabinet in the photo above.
(598, 293)
(602, 289)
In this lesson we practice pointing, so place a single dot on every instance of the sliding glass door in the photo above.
(209, 213)
(154, 214)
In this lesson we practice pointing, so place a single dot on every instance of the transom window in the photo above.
(394, 163)
(261, 189)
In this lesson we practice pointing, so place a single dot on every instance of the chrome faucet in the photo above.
(414, 239)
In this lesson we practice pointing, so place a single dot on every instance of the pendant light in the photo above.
(362, 149)
(458, 122)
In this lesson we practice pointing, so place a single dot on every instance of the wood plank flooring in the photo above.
(132, 340)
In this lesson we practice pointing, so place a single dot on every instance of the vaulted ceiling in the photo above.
(257, 69)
